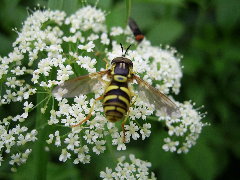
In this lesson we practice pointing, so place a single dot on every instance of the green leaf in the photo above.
(171, 2)
(167, 163)
(202, 162)
(192, 63)
(227, 13)
(147, 20)
(106, 4)
(197, 94)
(63, 171)
(70, 6)
(8, 18)
(173, 170)
(5, 44)
(213, 135)
(55, 4)
(155, 148)
(117, 16)
(166, 31)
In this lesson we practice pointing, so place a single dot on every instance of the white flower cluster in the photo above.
(20, 158)
(52, 48)
(14, 137)
(185, 130)
(136, 169)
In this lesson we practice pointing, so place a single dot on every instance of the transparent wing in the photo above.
(80, 85)
(154, 96)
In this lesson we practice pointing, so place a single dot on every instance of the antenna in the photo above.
(127, 50)
(122, 48)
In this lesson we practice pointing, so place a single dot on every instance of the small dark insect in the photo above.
(136, 31)
(117, 97)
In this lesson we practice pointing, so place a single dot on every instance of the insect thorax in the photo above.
(122, 66)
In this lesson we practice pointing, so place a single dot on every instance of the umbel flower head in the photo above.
(136, 169)
(52, 48)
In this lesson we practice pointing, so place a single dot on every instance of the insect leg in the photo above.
(133, 95)
(107, 63)
(123, 129)
(97, 53)
(90, 113)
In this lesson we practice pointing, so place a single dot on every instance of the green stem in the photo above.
(153, 118)
(128, 9)
(109, 146)
(40, 103)
(138, 123)
(39, 153)
(1, 89)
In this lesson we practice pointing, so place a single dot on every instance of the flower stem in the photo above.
(128, 10)
(109, 146)
(153, 118)
(40, 155)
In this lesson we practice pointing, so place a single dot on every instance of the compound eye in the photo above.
(115, 60)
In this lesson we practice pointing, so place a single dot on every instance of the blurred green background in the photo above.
(207, 33)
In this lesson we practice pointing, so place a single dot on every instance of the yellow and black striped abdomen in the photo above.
(117, 98)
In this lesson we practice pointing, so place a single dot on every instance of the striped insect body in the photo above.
(117, 97)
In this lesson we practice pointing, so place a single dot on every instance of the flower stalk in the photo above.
(128, 9)
(39, 152)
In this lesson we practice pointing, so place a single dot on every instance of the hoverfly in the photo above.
(117, 96)
(136, 31)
